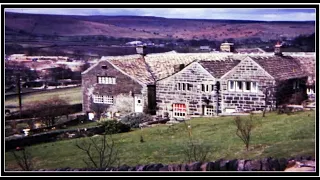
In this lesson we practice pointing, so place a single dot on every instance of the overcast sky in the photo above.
(189, 13)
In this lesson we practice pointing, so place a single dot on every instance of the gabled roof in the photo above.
(152, 67)
(280, 67)
(219, 68)
(135, 67)
(308, 64)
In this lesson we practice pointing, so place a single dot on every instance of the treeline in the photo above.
(305, 42)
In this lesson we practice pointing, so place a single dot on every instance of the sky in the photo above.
(185, 13)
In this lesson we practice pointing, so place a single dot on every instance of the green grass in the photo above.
(274, 136)
(85, 125)
(71, 95)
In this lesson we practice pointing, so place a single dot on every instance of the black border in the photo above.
(146, 173)
(199, 5)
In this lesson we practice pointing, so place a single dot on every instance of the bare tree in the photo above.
(268, 91)
(194, 150)
(49, 110)
(244, 128)
(123, 103)
(99, 109)
(23, 158)
(101, 153)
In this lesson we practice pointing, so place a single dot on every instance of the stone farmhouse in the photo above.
(180, 85)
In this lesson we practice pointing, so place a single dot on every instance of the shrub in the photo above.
(244, 128)
(113, 126)
(134, 119)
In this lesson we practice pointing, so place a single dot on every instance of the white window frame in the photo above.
(189, 87)
(310, 91)
(107, 99)
(254, 88)
(244, 86)
(101, 99)
(229, 86)
(179, 110)
(98, 99)
(106, 80)
(209, 111)
(206, 87)
(183, 86)
(237, 86)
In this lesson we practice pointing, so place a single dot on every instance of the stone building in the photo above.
(184, 84)
(243, 85)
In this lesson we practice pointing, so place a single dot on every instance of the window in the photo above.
(245, 86)
(310, 91)
(139, 101)
(296, 84)
(179, 110)
(254, 87)
(248, 86)
(102, 99)
(184, 86)
(106, 80)
(231, 86)
(104, 67)
(209, 111)
(207, 87)
(239, 86)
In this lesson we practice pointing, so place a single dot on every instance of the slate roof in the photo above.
(280, 67)
(153, 67)
(308, 64)
(219, 68)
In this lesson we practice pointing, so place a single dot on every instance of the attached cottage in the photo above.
(198, 84)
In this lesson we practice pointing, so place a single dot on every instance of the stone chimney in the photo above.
(178, 67)
(227, 47)
(277, 49)
(141, 49)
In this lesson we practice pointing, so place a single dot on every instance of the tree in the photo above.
(49, 110)
(244, 128)
(102, 155)
(268, 95)
(123, 103)
(23, 158)
(98, 109)
(194, 150)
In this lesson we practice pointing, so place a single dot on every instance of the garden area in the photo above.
(276, 135)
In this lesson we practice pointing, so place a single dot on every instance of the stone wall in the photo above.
(266, 164)
(12, 142)
(124, 84)
(196, 99)
(167, 92)
(247, 70)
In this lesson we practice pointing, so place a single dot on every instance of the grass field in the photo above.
(72, 95)
(273, 136)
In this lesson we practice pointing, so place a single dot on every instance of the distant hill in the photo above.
(151, 27)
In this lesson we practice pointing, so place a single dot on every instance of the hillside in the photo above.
(276, 136)
(151, 27)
